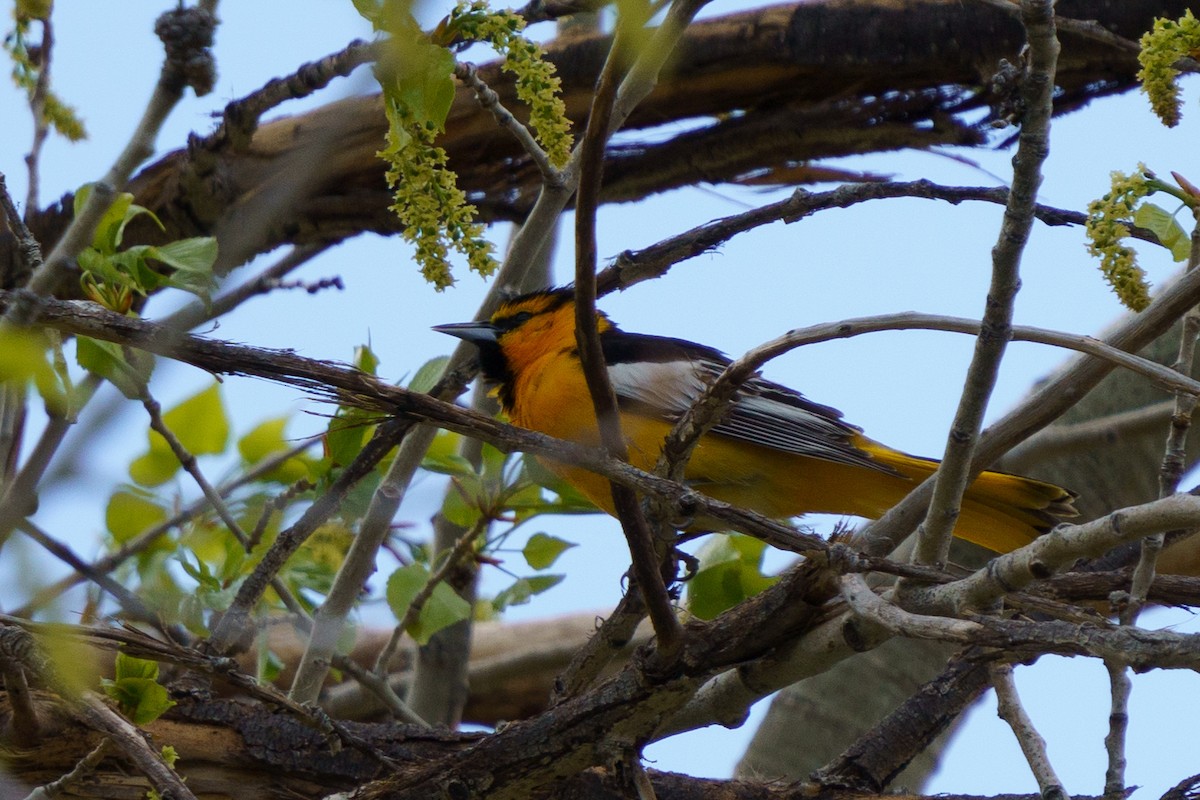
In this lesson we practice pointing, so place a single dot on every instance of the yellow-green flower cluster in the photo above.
(434, 211)
(62, 117)
(1169, 41)
(416, 74)
(1107, 225)
(537, 84)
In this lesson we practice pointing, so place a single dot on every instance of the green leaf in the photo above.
(730, 571)
(154, 467)
(348, 431)
(25, 358)
(386, 15)
(370, 10)
(492, 462)
(443, 608)
(419, 76)
(131, 267)
(448, 464)
(267, 440)
(542, 550)
(200, 422)
(268, 666)
(130, 512)
(142, 700)
(108, 360)
(195, 255)
(136, 690)
(128, 666)
(192, 263)
(111, 229)
(201, 426)
(523, 590)
(438, 456)
(199, 572)
(428, 374)
(570, 500)
(1168, 230)
(365, 359)
(458, 507)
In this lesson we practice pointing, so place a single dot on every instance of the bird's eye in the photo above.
(516, 320)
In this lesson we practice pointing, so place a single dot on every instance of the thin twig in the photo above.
(131, 604)
(954, 474)
(24, 727)
(380, 688)
(1017, 639)
(358, 564)
(1060, 548)
(214, 498)
(880, 619)
(1174, 461)
(94, 713)
(195, 314)
(148, 537)
(241, 117)
(632, 267)
(613, 635)
(461, 547)
(29, 252)
(1043, 406)
(167, 92)
(490, 101)
(236, 623)
(646, 555)
(19, 498)
(1120, 687)
(1008, 706)
(37, 108)
(81, 770)
(1170, 473)
(708, 408)
(190, 465)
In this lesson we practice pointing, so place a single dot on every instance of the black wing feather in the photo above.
(661, 376)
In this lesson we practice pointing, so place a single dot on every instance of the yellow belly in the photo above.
(1000, 511)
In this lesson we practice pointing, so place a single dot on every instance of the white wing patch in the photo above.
(765, 413)
(668, 387)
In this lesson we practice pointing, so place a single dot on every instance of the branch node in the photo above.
(187, 35)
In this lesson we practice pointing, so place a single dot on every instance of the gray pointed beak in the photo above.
(474, 332)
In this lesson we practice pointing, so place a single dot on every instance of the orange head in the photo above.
(523, 331)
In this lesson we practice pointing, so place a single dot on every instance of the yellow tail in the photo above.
(1000, 511)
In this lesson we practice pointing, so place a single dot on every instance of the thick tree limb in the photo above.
(763, 90)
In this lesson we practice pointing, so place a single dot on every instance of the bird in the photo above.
(774, 451)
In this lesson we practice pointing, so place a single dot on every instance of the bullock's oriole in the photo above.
(774, 451)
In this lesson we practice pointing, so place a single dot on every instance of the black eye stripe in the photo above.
(515, 321)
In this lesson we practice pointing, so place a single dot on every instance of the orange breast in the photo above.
(554, 400)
